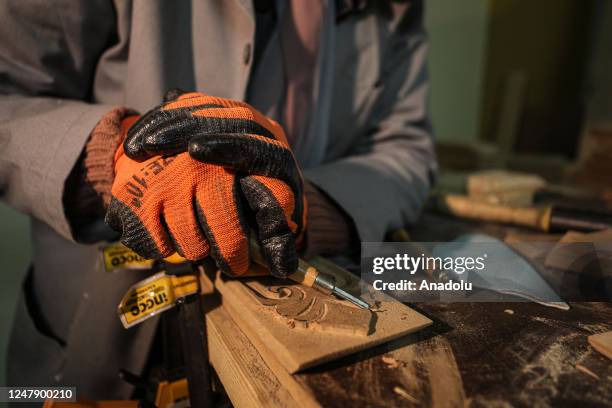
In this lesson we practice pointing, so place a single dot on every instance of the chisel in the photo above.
(308, 275)
(546, 218)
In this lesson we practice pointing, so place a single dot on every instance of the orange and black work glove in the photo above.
(155, 217)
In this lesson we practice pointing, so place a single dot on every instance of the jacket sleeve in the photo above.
(48, 55)
(385, 181)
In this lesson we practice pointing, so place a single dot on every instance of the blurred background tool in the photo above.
(547, 218)
(498, 186)
(523, 199)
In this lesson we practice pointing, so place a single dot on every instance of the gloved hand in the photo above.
(169, 203)
(168, 128)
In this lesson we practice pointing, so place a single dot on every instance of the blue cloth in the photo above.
(505, 270)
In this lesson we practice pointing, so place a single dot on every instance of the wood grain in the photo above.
(424, 368)
(602, 342)
(247, 379)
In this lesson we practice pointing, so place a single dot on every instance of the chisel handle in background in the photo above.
(547, 218)
(464, 207)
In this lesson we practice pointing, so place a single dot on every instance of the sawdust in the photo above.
(403, 393)
(542, 320)
(550, 365)
(585, 370)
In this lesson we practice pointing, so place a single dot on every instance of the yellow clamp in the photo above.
(118, 257)
(154, 295)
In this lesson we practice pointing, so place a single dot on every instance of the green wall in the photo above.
(15, 250)
(457, 32)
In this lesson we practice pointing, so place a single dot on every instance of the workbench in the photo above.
(482, 354)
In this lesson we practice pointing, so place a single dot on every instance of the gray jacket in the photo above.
(63, 66)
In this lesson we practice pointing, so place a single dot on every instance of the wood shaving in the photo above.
(376, 307)
(390, 362)
(585, 370)
(509, 311)
(403, 393)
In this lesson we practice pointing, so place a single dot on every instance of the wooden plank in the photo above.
(296, 344)
(417, 370)
(602, 342)
(511, 108)
(526, 358)
(247, 379)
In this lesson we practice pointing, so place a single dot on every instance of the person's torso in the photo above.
(209, 47)
(204, 46)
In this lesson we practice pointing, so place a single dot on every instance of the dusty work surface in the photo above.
(482, 354)
(479, 354)
(476, 354)
(532, 355)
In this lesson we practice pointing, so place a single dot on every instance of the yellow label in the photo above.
(119, 257)
(153, 295)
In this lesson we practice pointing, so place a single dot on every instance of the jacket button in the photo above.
(246, 54)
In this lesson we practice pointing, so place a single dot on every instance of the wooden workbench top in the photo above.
(477, 354)
(519, 353)
(531, 356)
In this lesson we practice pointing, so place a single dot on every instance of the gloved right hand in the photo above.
(175, 203)
(168, 128)
(233, 134)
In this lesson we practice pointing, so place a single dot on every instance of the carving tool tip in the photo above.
(354, 300)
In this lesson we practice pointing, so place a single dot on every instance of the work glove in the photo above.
(245, 175)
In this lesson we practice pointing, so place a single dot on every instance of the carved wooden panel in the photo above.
(302, 307)
(297, 327)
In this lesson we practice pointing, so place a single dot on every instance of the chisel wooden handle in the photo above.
(464, 207)
(306, 274)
